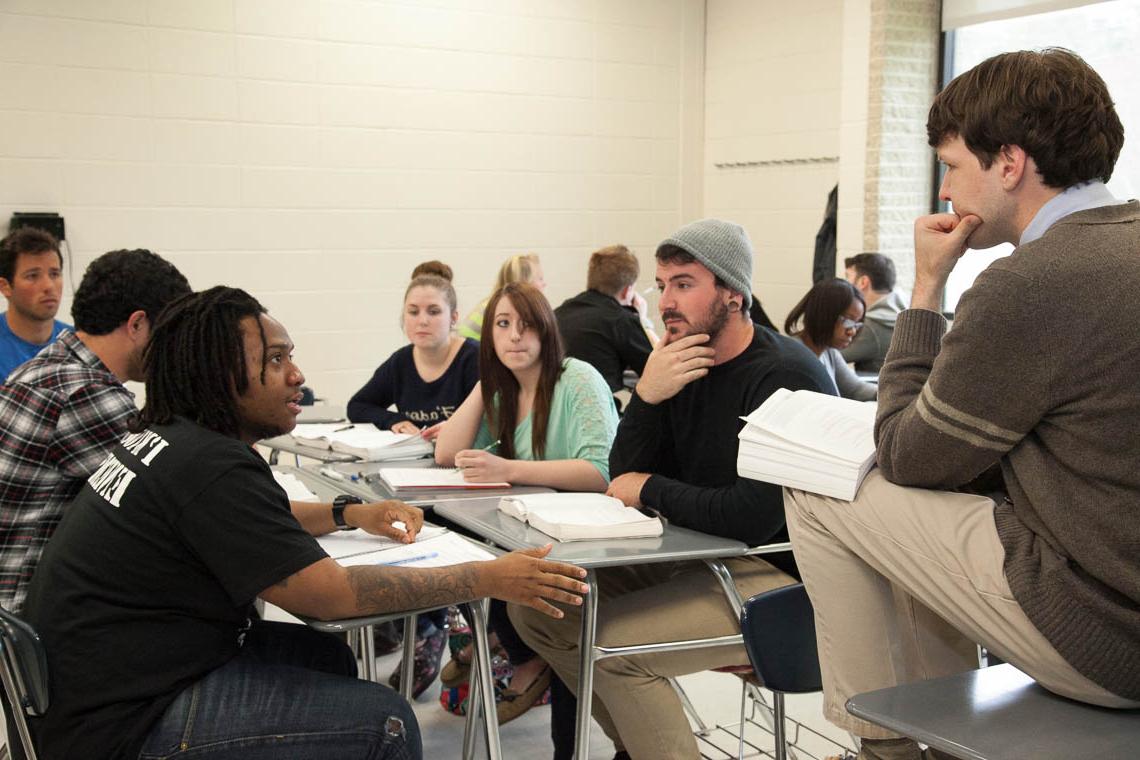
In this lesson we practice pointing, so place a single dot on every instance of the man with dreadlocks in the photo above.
(143, 596)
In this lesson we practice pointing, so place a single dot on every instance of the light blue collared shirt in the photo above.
(1076, 198)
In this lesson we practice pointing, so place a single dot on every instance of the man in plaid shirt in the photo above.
(64, 410)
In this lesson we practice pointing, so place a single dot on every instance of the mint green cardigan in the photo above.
(583, 420)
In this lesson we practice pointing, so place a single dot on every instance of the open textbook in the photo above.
(439, 551)
(347, 543)
(363, 440)
(810, 441)
(429, 478)
(580, 516)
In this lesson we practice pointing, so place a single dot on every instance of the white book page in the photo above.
(441, 551)
(349, 542)
(580, 509)
(836, 426)
(430, 477)
(293, 487)
(368, 436)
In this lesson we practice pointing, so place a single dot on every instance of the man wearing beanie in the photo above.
(675, 451)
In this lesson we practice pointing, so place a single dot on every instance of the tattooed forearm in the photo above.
(385, 589)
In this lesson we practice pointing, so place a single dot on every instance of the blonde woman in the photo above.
(525, 267)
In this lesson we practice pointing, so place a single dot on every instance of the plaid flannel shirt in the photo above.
(61, 413)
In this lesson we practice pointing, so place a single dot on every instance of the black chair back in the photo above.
(779, 636)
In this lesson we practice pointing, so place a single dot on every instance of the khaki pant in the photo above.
(866, 562)
(633, 701)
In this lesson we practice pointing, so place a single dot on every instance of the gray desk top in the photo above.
(999, 713)
(482, 516)
(371, 487)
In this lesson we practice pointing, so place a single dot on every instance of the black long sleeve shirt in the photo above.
(689, 442)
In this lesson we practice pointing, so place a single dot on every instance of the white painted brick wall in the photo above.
(773, 92)
(313, 151)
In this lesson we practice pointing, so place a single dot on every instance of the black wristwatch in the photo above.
(339, 503)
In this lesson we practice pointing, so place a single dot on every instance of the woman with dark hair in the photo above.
(550, 421)
(831, 314)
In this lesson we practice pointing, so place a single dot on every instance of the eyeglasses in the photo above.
(849, 324)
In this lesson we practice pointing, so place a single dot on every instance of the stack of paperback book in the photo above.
(810, 441)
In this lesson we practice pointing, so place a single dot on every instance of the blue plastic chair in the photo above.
(23, 669)
(779, 635)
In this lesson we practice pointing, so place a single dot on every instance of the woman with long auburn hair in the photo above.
(536, 418)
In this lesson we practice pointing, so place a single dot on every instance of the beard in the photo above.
(710, 323)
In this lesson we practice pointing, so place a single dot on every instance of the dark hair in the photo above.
(25, 240)
(119, 283)
(673, 254)
(433, 267)
(195, 360)
(498, 381)
(876, 266)
(821, 308)
(1049, 102)
(439, 283)
(611, 269)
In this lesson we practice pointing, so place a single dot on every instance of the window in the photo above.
(1105, 35)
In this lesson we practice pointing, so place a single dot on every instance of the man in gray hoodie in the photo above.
(873, 274)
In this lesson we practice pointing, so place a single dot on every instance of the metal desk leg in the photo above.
(482, 667)
(408, 664)
(368, 653)
(586, 668)
(474, 706)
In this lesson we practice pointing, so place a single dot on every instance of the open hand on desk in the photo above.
(627, 487)
(483, 466)
(378, 517)
(406, 427)
(431, 433)
(672, 365)
(523, 577)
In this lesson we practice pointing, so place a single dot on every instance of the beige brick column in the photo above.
(881, 195)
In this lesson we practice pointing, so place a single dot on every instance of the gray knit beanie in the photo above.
(722, 247)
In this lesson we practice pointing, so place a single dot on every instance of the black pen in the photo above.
(346, 427)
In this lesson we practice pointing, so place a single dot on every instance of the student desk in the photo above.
(362, 479)
(475, 612)
(999, 713)
(482, 516)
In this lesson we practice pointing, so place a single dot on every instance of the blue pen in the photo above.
(410, 560)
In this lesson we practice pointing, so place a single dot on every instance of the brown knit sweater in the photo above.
(1041, 374)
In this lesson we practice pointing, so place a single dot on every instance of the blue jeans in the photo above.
(290, 694)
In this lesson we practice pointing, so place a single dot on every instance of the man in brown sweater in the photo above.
(1037, 383)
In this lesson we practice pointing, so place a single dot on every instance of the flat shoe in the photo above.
(455, 672)
(516, 703)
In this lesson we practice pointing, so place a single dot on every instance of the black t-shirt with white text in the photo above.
(147, 584)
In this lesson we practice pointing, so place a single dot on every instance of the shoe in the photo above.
(514, 703)
(889, 749)
(386, 638)
(457, 671)
(429, 651)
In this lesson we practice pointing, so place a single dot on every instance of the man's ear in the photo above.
(5, 287)
(1013, 162)
(625, 295)
(137, 324)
